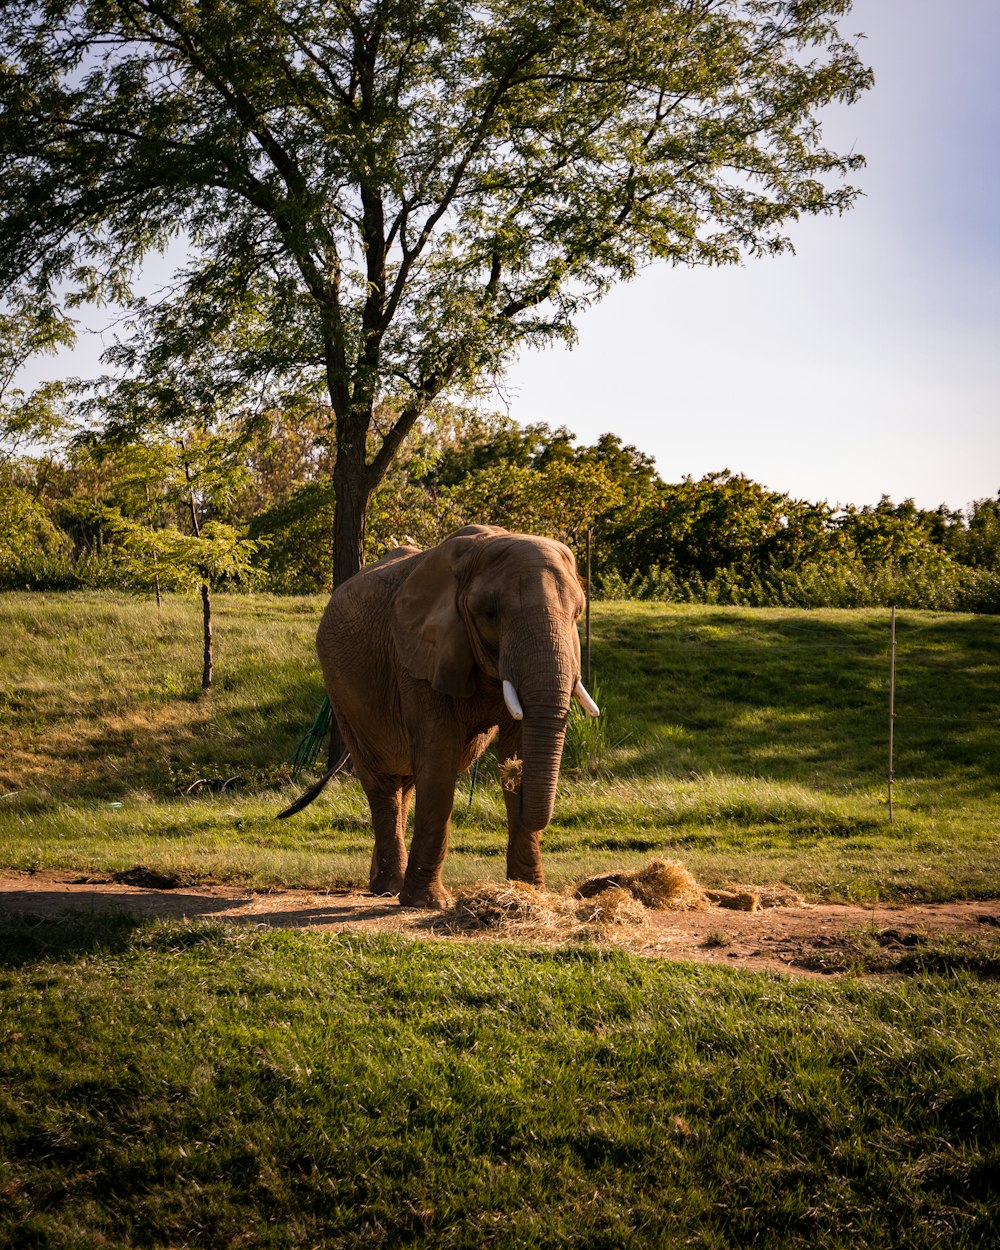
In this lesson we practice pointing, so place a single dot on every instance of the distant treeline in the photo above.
(253, 506)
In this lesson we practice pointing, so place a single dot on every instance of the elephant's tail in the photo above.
(314, 790)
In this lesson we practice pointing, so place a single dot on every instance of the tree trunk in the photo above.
(354, 482)
(206, 616)
(352, 491)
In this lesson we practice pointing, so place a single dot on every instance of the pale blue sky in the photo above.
(869, 362)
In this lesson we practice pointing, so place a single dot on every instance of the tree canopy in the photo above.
(131, 513)
(382, 200)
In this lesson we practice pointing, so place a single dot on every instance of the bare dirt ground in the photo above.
(809, 939)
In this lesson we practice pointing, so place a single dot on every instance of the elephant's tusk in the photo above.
(512, 701)
(589, 706)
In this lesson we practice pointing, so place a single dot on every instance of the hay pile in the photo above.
(666, 885)
(529, 911)
(608, 907)
(755, 897)
(663, 885)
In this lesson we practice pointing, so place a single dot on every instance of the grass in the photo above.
(749, 743)
(197, 1085)
(167, 1086)
(870, 950)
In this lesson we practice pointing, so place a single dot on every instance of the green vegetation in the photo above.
(201, 1086)
(749, 744)
(380, 204)
(125, 512)
(204, 1085)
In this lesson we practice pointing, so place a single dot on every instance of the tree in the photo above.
(723, 521)
(979, 543)
(28, 329)
(386, 199)
(532, 478)
(26, 532)
(189, 473)
(891, 533)
(166, 558)
(563, 501)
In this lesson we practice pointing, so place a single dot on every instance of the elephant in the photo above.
(426, 657)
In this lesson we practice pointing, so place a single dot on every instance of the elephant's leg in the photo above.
(389, 807)
(422, 886)
(524, 851)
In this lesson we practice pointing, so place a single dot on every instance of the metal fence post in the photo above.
(892, 703)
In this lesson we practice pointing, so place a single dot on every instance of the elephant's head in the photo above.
(505, 605)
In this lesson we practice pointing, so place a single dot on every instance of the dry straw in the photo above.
(510, 773)
(664, 884)
(755, 897)
(605, 907)
(523, 910)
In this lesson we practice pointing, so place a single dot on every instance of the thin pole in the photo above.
(892, 705)
(590, 537)
(206, 617)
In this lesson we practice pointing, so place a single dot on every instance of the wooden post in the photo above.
(590, 539)
(206, 617)
(892, 703)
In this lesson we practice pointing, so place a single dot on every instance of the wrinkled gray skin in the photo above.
(414, 650)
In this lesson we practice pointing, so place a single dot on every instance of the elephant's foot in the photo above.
(431, 896)
(387, 871)
(386, 883)
(524, 861)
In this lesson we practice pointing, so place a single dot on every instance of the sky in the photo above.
(869, 362)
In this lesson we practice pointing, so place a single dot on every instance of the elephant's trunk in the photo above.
(540, 671)
(542, 743)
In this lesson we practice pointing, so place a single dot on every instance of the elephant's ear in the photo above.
(427, 627)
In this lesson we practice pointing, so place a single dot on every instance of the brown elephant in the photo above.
(425, 656)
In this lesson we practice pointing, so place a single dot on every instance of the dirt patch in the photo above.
(151, 879)
(807, 939)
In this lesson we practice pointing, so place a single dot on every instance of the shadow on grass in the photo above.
(166, 747)
(68, 935)
(878, 951)
(34, 939)
(792, 696)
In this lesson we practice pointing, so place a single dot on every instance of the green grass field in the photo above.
(192, 1085)
(751, 744)
(171, 1086)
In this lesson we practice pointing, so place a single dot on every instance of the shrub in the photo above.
(937, 583)
(31, 547)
